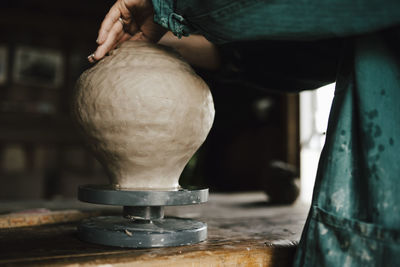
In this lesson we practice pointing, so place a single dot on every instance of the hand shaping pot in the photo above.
(144, 112)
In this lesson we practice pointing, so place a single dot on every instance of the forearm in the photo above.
(225, 21)
(195, 49)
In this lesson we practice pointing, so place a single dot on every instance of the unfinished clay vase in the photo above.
(145, 112)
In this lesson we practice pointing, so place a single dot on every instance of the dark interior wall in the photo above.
(43, 49)
(45, 45)
(253, 128)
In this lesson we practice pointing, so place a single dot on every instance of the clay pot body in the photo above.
(144, 112)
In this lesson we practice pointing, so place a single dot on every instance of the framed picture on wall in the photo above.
(38, 67)
(3, 64)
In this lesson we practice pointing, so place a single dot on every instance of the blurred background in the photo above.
(255, 143)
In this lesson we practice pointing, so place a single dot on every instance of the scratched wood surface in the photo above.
(242, 231)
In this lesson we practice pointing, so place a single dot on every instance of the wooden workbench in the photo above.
(242, 231)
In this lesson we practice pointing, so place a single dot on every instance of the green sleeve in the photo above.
(234, 20)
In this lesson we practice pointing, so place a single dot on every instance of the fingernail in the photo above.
(97, 40)
(91, 58)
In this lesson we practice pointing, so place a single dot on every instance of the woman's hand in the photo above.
(126, 19)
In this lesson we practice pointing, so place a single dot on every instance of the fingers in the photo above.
(114, 30)
(119, 25)
(108, 23)
(152, 31)
(113, 37)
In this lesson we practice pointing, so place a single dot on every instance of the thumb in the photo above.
(152, 31)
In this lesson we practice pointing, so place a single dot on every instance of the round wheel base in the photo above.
(122, 232)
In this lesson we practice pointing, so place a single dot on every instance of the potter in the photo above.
(144, 112)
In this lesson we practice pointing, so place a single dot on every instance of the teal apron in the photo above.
(354, 218)
(355, 214)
